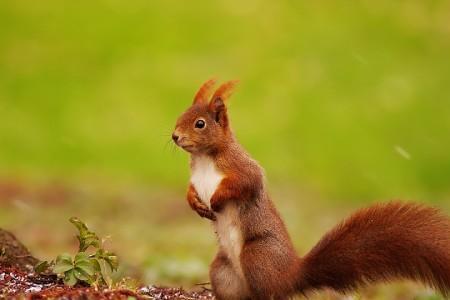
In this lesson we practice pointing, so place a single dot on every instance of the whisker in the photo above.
(167, 143)
(175, 149)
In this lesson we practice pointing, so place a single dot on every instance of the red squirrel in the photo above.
(256, 258)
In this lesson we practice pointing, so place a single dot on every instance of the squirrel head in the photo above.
(204, 127)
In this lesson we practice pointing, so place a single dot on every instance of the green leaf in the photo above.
(69, 278)
(90, 268)
(42, 266)
(86, 238)
(105, 271)
(109, 257)
(95, 263)
(79, 224)
(87, 267)
(65, 257)
(81, 275)
(63, 263)
(113, 262)
(62, 267)
(81, 256)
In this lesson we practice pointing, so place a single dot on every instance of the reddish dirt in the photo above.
(16, 284)
(18, 281)
(51, 193)
(154, 292)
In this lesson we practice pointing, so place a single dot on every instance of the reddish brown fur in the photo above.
(204, 92)
(225, 90)
(197, 205)
(380, 243)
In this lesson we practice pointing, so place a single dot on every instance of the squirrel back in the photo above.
(256, 258)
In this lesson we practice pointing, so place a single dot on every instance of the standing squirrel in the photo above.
(256, 257)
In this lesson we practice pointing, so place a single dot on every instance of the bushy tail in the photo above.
(382, 243)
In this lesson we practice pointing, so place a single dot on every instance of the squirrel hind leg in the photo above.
(270, 269)
(225, 281)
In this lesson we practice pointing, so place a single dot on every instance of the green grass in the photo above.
(341, 103)
(328, 92)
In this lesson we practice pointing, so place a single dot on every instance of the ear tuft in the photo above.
(217, 104)
(225, 90)
(204, 92)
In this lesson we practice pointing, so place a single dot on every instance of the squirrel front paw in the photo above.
(203, 210)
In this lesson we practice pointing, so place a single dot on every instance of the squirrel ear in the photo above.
(217, 103)
(225, 90)
(204, 92)
(219, 111)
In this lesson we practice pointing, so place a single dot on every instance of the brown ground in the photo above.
(13, 253)
(16, 284)
(18, 281)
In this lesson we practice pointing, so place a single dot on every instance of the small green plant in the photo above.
(92, 264)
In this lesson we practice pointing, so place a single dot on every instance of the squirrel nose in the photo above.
(175, 137)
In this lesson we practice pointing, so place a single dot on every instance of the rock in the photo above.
(14, 254)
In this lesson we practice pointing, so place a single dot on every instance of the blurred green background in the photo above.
(344, 103)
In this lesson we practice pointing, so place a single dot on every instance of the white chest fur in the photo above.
(205, 177)
(229, 234)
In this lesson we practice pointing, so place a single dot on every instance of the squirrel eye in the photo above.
(200, 124)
